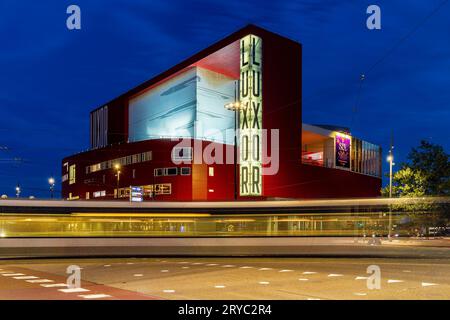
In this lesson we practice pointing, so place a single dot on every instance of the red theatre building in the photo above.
(174, 135)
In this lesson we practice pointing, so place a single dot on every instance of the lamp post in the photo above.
(18, 191)
(390, 159)
(117, 168)
(235, 107)
(51, 182)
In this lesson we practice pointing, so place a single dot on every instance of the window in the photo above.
(211, 171)
(134, 173)
(108, 164)
(72, 174)
(171, 171)
(158, 172)
(185, 171)
(98, 194)
(182, 154)
(165, 188)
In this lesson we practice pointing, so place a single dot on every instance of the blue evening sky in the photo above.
(50, 77)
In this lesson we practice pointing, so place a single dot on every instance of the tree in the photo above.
(426, 174)
(434, 162)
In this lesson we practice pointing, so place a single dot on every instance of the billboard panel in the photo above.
(171, 109)
(166, 111)
(214, 91)
(342, 150)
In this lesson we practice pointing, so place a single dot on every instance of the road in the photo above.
(227, 278)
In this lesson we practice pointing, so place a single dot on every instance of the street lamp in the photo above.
(390, 159)
(235, 106)
(117, 168)
(51, 182)
(18, 191)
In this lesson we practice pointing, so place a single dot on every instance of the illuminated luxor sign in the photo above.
(250, 116)
(342, 150)
(99, 128)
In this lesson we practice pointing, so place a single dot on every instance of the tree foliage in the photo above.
(427, 173)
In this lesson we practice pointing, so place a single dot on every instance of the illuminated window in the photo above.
(131, 159)
(211, 171)
(72, 173)
(98, 194)
(165, 188)
(158, 172)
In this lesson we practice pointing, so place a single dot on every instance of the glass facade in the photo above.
(366, 157)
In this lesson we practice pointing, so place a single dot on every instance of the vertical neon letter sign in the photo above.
(250, 116)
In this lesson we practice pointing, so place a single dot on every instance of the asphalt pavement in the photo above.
(228, 278)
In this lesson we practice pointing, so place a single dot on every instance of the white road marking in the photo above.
(309, 272)
(219, 287)
(94, 296)
(394, 281)
(184, 267)
(361, 278)
(168, 291)
(285, 270)
(12, 274)
(264, 282)
(138, 275)
(164, 270)
(335, 275)
(73, 290)
(2, 272)
(264, 269)
(313, 299)
(428, 284)
(40, 281)
(303, 279)
(360, 294)
(212, 264)
(130, 262)
(197, 263)
(245, 267)
(228, 266)
(25, 277)
(407, 271)
(54, 285)
(107, 265)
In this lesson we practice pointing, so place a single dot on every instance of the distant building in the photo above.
(259, 74)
